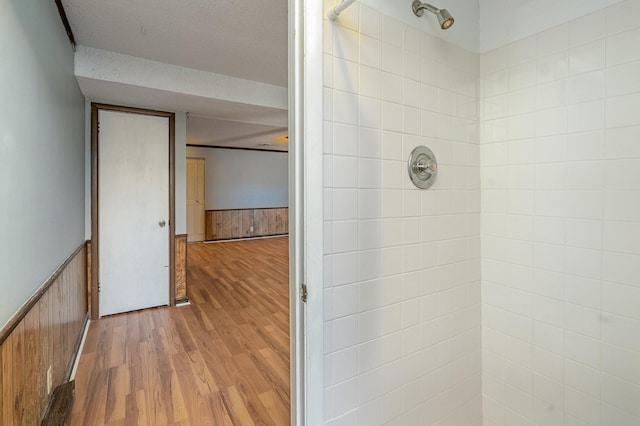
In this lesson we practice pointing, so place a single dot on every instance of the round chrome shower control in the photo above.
(422, 167)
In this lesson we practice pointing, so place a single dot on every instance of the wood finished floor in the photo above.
(223, 360)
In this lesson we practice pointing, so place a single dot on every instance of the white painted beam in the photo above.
(102, 66)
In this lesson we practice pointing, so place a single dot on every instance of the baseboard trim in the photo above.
(230, 240)
(70, 374)
(183, 301)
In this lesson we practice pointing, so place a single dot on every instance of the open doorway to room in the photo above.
(210, 361)
(238, 260)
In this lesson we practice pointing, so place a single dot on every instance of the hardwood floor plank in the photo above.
(141, 406)
(220, 413)
(85, 366)
(196, 386)
(235, 407)
(155, 403)
(117, 353)
(117, 391)
(200, 372)
(222, 360)
(276, 364)
(93, 400)
(179, 408)
(275, 407)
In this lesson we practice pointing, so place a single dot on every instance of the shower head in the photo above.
(444, 17)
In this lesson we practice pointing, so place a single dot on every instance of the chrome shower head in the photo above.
(444, 17)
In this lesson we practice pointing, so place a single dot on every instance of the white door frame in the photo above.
(305, 210)
(94, 311)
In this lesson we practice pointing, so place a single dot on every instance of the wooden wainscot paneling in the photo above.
(44, 334)
(246, 223)
(230, 224)
(222, 224)
(89, 272)
(209, 221)
(281, 221)
(261, 222)
(181, 268)
(271, 221)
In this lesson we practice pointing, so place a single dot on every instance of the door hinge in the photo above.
(303, 293)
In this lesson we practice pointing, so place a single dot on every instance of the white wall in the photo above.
(239, 179)
(561, 224)
(506, 21)
(483, 25)
(464, 32)
(41, 150)
(402, 290)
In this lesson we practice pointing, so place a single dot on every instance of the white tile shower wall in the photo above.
(402, 265)
(560, 148)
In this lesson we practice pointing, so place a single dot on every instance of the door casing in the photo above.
(95, 201)
(306, 25)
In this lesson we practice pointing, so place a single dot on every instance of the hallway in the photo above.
(222, 360)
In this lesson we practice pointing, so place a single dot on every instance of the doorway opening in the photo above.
(238, 265)
(305, 94)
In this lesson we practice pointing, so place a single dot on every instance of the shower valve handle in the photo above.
(422, 167)
(425, 165)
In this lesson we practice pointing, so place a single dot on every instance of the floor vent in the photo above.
(59, 407)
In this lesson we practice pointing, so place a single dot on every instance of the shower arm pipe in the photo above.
(430, 8)
(336, 10)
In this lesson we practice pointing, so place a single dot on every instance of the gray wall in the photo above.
(242, 179)
(41, 150)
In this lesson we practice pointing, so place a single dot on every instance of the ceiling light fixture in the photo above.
(281, 139)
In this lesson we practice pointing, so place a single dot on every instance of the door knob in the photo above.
(162, 223)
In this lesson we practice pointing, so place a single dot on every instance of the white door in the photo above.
(195, 199)
(133, 199)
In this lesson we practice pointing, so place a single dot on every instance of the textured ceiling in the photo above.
(237, 38)
(230, 37)
(234, 134)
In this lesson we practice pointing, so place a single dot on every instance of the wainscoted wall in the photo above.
(230, 224)
(45, 332)
(89, 276)
(40, 101)
(181, 267)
